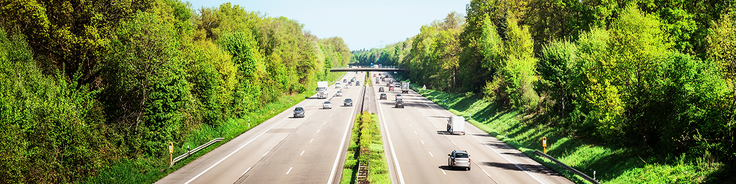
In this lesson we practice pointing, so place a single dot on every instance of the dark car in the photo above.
(344, 80)
(348, 102)
(380, 89)
(399, 104)
(357, 83)
(383, 96)
(388, 84)
(298, 112)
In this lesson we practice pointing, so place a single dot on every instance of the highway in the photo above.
(417, 145)
(283, 149)
(312, 149)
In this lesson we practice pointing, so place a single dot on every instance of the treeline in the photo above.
(654, 76)
(84, 84)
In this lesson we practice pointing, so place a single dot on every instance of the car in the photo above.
(377, 82)
(326, 105)
(357, 83)
(344, 80)
(374, 75)
(399, 103)
(388, 84)
(383, 96)
(398, 97)
(380, 89)
(382, 79)
(391, 88)
(459, 158)
(299, 112)
(398, 85)
(348, 102)
(338, 85)
(339, 93)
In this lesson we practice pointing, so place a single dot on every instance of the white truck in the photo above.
(322, 89)
(456, 125)
(404, 87)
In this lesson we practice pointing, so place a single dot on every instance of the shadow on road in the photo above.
(522, 167)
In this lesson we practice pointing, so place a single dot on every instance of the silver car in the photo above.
(299, 112)
(459, 158)
(327, 105)
(339, 93)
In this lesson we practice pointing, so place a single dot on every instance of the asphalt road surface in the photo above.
(417, 145)
(312, 149)
(283, 149)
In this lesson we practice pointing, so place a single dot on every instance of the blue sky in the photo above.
(362, 24)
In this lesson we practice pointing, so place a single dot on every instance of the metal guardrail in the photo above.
(190, 152)
(581, 174)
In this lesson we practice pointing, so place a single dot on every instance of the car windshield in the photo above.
(327, 102)
(299, 109)
(461, 155)
(348, 100)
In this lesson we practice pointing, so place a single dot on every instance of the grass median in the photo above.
(366, 147)
(610, 164)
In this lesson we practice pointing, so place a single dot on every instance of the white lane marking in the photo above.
(342, 144)
(403, 114)
(410, 125)
(302, 153)
(241, 147)
(330, 114)
(487, 173)
(310, 141)
(287, 172)
(284, 138)
(407, 119)
(430, 154)
(266, 153)
(443, 171)
(324, 123)
(246, 171)
(391, 146)
(453, 143)
(415, 132)
(422, 141)
(517, 166)
(318, 131)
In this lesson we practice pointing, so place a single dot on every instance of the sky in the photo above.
(362, 24)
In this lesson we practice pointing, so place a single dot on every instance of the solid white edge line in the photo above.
(342, 144)
(228, 156)
(517, 166)
(266, 153)
(246, 171)
(391, 146)
(241, 147)
(443, 171)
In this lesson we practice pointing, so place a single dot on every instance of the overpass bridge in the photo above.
(367, 69)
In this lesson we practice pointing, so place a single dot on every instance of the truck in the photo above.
(322, 89)
(404, 87)
(456, 125)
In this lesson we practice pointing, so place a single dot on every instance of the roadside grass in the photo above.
(366, 146)
(611, 164)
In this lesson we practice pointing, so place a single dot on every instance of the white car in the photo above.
(338, 85)
(459, 158)
(339, 93)
(327, 105)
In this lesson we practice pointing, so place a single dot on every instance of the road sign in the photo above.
(544, 144)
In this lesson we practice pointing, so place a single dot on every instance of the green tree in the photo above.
(147, 92)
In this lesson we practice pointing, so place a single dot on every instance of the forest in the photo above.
(653, 76)
(87, 84)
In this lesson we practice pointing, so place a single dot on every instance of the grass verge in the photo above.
(366, 147)
(611, 164)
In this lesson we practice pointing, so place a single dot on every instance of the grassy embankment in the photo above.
(150, 170)
(612, 165)
(366, 146)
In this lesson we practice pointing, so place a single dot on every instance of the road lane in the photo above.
(421, 145)
(281, 150)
